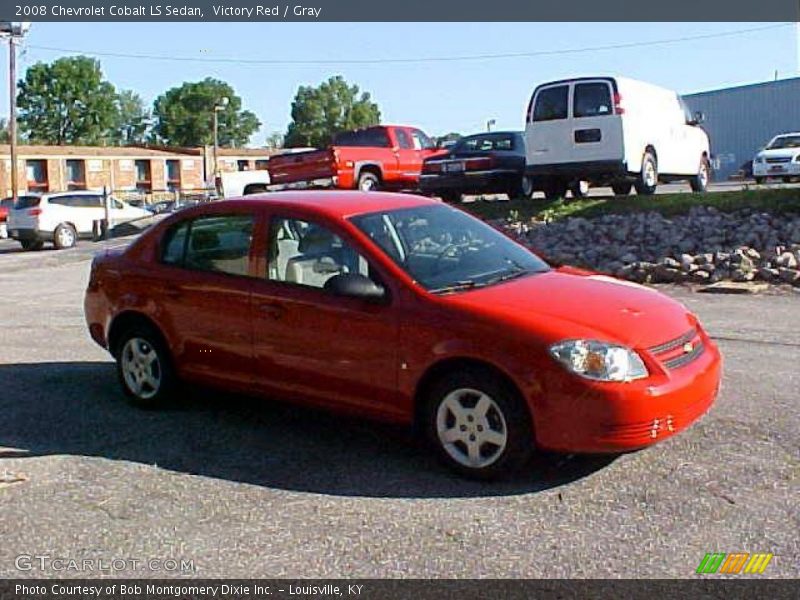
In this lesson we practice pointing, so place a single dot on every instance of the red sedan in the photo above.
(405, 309)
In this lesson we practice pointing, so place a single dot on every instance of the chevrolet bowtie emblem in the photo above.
(687, 347)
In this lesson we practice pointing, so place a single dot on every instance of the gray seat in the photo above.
(316, 262)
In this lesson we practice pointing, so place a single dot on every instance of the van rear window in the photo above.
(551, 104)
(592, 100)
(27, 202)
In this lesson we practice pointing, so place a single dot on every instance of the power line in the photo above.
(475, 57)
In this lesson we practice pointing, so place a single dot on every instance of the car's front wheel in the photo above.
(64, 236)
(760, 180)
(144, 367)
(478, 424)
(699, 183)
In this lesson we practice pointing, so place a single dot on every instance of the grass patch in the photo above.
(774, 201)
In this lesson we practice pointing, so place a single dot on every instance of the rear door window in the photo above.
(592, 100)
(220, 244)
(551, 103)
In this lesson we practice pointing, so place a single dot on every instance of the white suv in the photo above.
(64, 217)
(779, 158)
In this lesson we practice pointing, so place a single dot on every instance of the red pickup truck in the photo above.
(380, 157)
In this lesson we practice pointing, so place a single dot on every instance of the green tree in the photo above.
(133, 119)
(184, 116)
(274, 140)
(66, 102)
(319, 113)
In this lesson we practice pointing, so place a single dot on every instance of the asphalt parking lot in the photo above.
(248, 488)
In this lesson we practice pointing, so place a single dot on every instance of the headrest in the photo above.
(204, 239)
(316, 240)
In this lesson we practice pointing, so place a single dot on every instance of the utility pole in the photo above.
(12, 119)
(13, 31)
(223, 102)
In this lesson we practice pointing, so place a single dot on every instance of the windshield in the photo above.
(446, 250)
(784, 141)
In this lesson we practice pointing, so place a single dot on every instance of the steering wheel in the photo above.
(450, 251)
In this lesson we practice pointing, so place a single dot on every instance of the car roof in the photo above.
(786, 134)
(336, 204)
(70, 193)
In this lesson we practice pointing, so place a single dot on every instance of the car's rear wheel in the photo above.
(368, 182)
(523, 188)
(788, 180)
(760, 180)
(621, 188)
(451, 197)
(31, 244)
(699, 183)
(555, 189)
(478, 424)
(579, 189)
(144, 367)
(65, 236)
(647, 181)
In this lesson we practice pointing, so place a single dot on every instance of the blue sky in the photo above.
(437, 96)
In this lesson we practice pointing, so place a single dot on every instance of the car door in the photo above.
(409, 156)
(548, 135)
(79, 209)
(202, 289)
(596, 129)
(310, 344)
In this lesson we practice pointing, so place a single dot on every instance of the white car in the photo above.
(779, 158)
(612, 131)
(242, 183)
(64, 217)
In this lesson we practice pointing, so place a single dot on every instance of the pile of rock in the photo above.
(703, 246)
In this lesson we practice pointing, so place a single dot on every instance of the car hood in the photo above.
(779, 153)
(560, 305)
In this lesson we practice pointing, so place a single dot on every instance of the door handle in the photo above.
(276, 311)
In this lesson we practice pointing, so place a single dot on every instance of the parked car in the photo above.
(780, 158)
(5, 206)
(380, 157)
(405, 309)
(613, 131)
(64, 217)
(492, 163)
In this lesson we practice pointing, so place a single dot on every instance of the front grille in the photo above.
(673, 354)
(779, 159)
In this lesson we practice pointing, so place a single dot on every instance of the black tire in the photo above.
(450, 197)
(368, 182)
(555, 189)
(522, 189)
(621, 188)
(148, 339)
(508, 413)
(65, 236)
(699, 183)
(647, 181)
(787, 179)
(31, 244)
(760, 180)
(579, 189)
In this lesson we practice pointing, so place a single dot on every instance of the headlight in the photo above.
(758, 159)
(599, 360)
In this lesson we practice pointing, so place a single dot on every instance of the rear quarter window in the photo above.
(551, 103)
(27, 202)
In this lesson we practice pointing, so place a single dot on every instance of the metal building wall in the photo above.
(742, 120)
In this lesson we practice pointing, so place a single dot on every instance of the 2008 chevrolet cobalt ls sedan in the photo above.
(405, 309)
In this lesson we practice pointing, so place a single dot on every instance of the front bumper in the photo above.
(787, 169)
(496, 180)
(594, 417)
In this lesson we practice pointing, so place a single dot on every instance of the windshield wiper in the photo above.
(457, 287)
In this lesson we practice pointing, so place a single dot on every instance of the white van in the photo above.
(612, 131)
(63, 217)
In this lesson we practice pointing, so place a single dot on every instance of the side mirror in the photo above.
(697, 118)
(354, 285)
